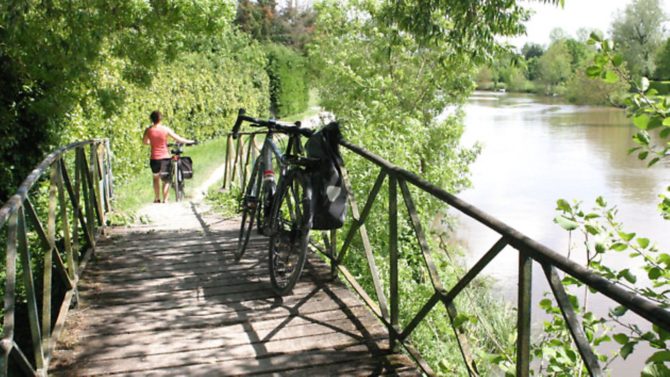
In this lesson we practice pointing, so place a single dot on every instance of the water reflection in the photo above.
(537, 150)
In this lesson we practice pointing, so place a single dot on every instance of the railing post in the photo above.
(333, 253)
(226, 164)
(393, 255)
(33, 313)
(48, 256)
(524, 315)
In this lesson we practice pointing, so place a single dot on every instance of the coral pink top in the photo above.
(158, 138)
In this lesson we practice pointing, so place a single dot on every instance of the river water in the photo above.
(536, 150)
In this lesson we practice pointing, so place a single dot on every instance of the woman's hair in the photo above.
(156, 116)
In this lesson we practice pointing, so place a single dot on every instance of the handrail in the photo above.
(387, 308)
(75, 206)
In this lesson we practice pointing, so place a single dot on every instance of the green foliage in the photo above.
(59, 56)
(602, 234)
(290, 25)
(662, 61)
(648, 108)
(555, 66)
(638, 33)
(289, 92)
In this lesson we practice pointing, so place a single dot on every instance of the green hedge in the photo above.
(199, 95)
(289, 92)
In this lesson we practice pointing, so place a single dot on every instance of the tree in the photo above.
(662, 61)
(555, 66)
(638, 33)
(51, 58)
(532, 50)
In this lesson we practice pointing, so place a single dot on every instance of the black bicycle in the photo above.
(180, 168)
(280, 209)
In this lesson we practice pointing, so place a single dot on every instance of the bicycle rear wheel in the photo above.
(250, 207)
(174, 179)
(290, 232)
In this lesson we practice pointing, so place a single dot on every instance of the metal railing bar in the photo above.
(524, 315)
(359, 220)
(421, 237)
(32, 215)
(393, 254)
(476, 269)
(10, 277)
(427, 307)
(543, 254)
(59, 326)
(361, 292)
(92, 180)
(416, 356)
(14, 202)
(87, 195)
(461, 339)
(73, 193)
(48, 257)
(66, 233)
(582, 343)
(97, 183)
(31, 294)
(23, 361)
(367, 247)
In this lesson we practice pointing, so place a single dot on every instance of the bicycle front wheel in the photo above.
(290, 232)
(250, 207)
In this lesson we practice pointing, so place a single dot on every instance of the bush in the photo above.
(289, 93)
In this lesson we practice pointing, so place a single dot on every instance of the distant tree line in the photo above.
(561, 67)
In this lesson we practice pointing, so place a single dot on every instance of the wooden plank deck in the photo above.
(161, 301)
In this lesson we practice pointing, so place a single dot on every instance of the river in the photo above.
(536, 150)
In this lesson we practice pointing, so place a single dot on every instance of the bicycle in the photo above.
(176, 174)
(281, 209)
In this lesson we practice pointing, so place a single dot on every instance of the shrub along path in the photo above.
(166, 298)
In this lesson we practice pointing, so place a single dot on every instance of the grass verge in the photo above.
(134, 193)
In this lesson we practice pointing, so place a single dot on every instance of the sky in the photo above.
(592, 14)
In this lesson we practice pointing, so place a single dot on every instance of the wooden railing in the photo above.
(78, 183)
(386, 308)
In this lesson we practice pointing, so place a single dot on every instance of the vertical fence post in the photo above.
(48, 255)
(393, 254)
(226, 163)
(523, 319)
(71, 264)
(76, 208)
(245, 166)
(33, 313)
(10, 279)
(333, 253)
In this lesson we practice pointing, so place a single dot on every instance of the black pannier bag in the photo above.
(186, 165)
(329, 194)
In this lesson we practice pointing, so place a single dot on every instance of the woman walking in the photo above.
(156, 135)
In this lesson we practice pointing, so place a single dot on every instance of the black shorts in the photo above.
(160, 166)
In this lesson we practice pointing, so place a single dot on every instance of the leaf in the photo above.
(641, 121)
(566, 223)
(545, 304)
(643, 242)
(600, 247)
(591, 229)
(617, 60)
(563, 205)
(653, 161)
(643, 155)
(626, 274)
(627, 349)
(619, 246)
(659, 357)
(626, 236)
(654, 273)
(621, 338)
(595, 36)
(664, 133)
(601, 201)
(619, 311)
(460, 319)
(593, 71)
(611, 77)
(666, 121)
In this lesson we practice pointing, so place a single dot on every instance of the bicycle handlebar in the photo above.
(182, 144)
(270, 124)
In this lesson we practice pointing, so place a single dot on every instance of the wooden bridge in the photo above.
(167, 298)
